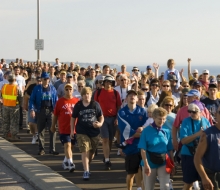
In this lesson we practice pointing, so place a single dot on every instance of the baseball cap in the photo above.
(172, 77)
(63, 72)
(45, 75)
(195, 71)
(69, 75)
(109, 77)
(185, 90)
(68, 85)
(205, 71)
(132, 91)
(213, 83)
(197, 83)
(135, 68)
(193, 92)
(7, 66)
(148, 67)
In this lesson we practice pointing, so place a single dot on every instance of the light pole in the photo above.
(38, 26)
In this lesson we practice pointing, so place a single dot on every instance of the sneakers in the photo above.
(34, 139)
(118, 153)
(86, 175)
(65, 165)
(42, 152)
(108, 165)
(72, 167)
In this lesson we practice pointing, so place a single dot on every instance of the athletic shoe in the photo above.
(72, 167)
(65, 165)
(108, 165)
(34, 139)
(42, 152)
(86, 175)
(118, 153)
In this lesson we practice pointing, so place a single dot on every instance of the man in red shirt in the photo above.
(62, 113)
(110, 102)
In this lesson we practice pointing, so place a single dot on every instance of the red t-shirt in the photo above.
(109, 102)
(63, 110)
(183, 113)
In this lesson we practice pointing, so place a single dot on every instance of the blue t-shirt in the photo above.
(128, 123)
(186, 130)
(155, 141)
(169, 122)
(46, 99)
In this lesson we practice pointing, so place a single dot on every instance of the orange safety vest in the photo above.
(9, 94)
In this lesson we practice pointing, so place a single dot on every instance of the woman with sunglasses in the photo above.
(153, 94)
(190, 131)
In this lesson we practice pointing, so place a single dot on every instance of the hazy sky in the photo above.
(113, 31)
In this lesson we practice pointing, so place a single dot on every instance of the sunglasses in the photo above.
(69, 89)
(69, 77)
(155, 85)
(168, 105)
(194, 112)
(166, 86)
(144, 89)
(109, 81)
(123, 79)
(205, 73)
(186, 86)
(80, 86)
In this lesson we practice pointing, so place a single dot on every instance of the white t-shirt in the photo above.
(123, 93)
(20, 81)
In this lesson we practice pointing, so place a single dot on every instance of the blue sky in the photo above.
(134, 32)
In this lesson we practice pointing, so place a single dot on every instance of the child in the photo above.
(150, 120)
(171, 70)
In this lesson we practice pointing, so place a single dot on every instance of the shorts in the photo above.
(31, 119)
(65, 138)
(86, 143)
(132, 163)
(190, 173)
(108, 128)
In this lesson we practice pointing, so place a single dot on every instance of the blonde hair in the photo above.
(159, 112)
(86, 90)
(75, 73)
(167, 99)
(193, 107)
(152, 107)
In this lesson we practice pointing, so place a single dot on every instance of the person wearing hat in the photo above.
(110, 102)
(205, 79)
(62, 113)
(12, 99)
(174, 86)
(32, 122)
(194, 74)
(192, 95)
(41, 104)
(212, 102)
(207, 156)
(197, 85)
(131, 118)
(191, 129)
(62, 79)
(69, 80)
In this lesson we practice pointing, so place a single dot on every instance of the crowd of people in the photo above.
(156, 121)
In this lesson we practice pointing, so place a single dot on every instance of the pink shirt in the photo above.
(183, 113)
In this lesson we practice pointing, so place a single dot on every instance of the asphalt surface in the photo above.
(100, 179)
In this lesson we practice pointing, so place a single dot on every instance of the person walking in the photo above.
(41, 104)
(12, 98)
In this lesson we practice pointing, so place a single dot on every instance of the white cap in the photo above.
(195, 71)
(205, 71)
(7, 66)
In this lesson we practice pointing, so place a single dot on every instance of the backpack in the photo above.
(147, 98)
(99, 91)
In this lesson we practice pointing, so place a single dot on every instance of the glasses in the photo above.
(109, 81)
(166, 86)
(69, 89)
(80, 86)
(46, 79)
(155, 85)
(205, 73)
(168, 105)
(69, 77)
(194, 112)
(123, 79)
(145, 89)
(186, 86)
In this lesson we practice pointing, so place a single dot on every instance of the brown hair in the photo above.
(161, 112)
(167, 99)
(140, 92)
(163, 95)
(169, 62)
(86, 90)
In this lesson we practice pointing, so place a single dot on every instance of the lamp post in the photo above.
(38, 26)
